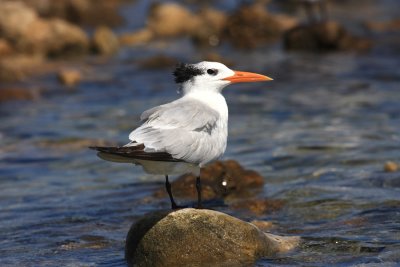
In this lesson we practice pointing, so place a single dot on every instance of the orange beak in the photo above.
(242, 76)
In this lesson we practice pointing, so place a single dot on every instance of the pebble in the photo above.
(391, 166)
(69, 77)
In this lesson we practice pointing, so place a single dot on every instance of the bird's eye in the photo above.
(212, 72)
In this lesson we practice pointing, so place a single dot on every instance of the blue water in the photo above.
(320, 134)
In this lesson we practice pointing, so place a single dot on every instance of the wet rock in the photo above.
(212, 24)
(15, 68)
(355, 222)
(324, 36)
(28, 33)
(158, 62)
(171, 20)
(220, 179)
(391, 166)
(214, 19)
(9, 94)
(105, 41)
(285, 22)
(258, 206)
(139, 37)
(63, 39)
(193, 237)
(94, 12)
(69, 77)
(5, 48)
(248, 27)
(252, 25)
(383, 26)
(15, 18)
(82, 12)
(86, 242)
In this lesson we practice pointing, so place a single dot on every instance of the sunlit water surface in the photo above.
(319, 134)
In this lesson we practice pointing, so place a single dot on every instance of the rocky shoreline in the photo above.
(32, 33)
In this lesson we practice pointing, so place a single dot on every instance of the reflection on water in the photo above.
(319, 134)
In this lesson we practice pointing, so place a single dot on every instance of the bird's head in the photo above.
(211, 76)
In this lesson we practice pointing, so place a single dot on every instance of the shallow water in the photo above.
(319, 134)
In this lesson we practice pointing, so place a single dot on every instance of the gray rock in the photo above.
(199, 237)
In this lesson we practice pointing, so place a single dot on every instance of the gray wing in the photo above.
(189, 114)
(182, 128)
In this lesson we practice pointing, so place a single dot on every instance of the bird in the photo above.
(188, 133)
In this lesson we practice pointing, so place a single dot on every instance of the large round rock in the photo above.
(194, 237)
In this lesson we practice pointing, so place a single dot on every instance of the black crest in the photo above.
(185, 72)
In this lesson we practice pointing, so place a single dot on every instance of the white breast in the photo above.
(212, 146)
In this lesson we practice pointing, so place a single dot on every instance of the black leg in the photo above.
(198, 188)
(168, 187)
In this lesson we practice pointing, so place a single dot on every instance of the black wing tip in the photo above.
(135, 153)
(96, 147)
(104, 148)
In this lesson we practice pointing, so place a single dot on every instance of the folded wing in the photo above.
(182, 129)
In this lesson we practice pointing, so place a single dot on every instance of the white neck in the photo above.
(204, 85)
(213, 99)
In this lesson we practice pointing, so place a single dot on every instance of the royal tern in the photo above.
(184, 135)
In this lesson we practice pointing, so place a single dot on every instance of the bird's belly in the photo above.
(168, 168)
(155, 167)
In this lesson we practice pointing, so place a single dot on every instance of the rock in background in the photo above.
(247, 27)
(80, 12)
(29, 34)
(104, 41)
(324, 36)
(252, 25)
(27, 41)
